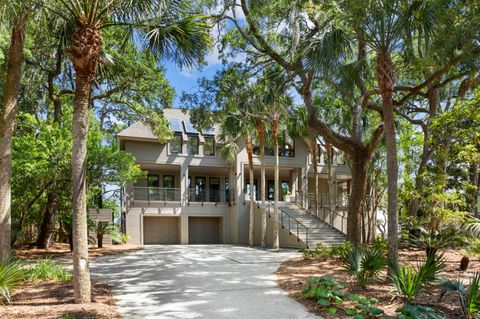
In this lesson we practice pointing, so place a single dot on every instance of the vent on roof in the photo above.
(189, 129)
(176, 126)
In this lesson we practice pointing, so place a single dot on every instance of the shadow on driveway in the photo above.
(204, 281)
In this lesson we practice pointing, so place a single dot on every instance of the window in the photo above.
(286, 145)
(176, 144)
(168, 181)
(153, 182)
(215, 189)
(209, 146)
(192, 145)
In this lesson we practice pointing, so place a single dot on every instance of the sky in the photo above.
(186, 80)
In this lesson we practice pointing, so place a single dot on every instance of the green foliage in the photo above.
(469, 297)
(409, 281)
(418, 312)
(48, 269)
(365, 308)
(324, 252)
(326, 290)
(119, 238)
(11, 275)
(364, 263)
(434, 241)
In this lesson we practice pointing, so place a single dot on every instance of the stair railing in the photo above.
(286, 222)
(324, 209)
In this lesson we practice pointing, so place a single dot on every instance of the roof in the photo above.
(176, 117)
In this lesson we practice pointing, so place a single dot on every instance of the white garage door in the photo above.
(204, 230)
(161, 230)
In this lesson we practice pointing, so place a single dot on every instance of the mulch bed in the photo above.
(292, 276)
(63, 250)
(49, 299)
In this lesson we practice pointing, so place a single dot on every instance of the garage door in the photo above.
(161, 230)
(204, 230)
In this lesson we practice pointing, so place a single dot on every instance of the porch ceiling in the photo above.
(205, 170)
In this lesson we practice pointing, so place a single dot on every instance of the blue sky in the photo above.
(186, 80)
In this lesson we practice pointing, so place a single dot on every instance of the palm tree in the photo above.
(274, 128)
(19, 12)
(167, 28)
(261, 132)
(234, 126)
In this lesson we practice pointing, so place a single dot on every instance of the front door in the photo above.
(215, 189)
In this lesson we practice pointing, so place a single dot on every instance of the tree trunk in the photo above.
(84, 52)
(249, 147)
(276, 239)
(386, 82)
(7, 126)
(44, 239)
(313, 151)
(360, 166)
(79, 205)
(100, 240)
(261, 138)
(433, 104)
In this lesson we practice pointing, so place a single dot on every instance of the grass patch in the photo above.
(47, 269)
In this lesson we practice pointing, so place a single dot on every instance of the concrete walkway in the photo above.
(211, 281)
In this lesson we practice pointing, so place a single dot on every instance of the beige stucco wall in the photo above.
(156, 158)
(286, 239)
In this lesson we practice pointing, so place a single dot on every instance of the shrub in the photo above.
(119, 238)
(409, 281)
(365, 307)
(11, 275)
(418, 312)
(434, 241)
(327, 292)
(324, 252)
(364, 263)
(469, 298)
(47, 269)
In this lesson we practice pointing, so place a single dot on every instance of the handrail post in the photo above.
(297, 231)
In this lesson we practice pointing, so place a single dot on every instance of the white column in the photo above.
(184, 183)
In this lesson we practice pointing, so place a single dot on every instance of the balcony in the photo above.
(156, 194)
(198, 195)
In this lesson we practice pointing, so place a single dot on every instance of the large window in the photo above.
(176, 144)
(209, 146)
(192, 145)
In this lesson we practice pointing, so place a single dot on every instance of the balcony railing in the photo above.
(152, 194)
(210, 196)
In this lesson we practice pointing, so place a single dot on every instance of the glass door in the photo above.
(153, 182)
(200, 187)
(168, 187)
(214, 189)
(271, 190)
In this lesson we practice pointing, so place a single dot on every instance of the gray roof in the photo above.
(139, 130)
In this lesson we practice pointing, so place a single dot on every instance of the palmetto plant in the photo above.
(433, 241)
(11, 274)
(469, 297)
(366, 264)
(409, 280)
(167, 28)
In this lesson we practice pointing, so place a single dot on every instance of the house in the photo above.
(192, 195)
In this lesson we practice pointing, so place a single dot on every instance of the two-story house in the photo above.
(192, 195)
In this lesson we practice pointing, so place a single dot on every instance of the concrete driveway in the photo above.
(205, 281)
